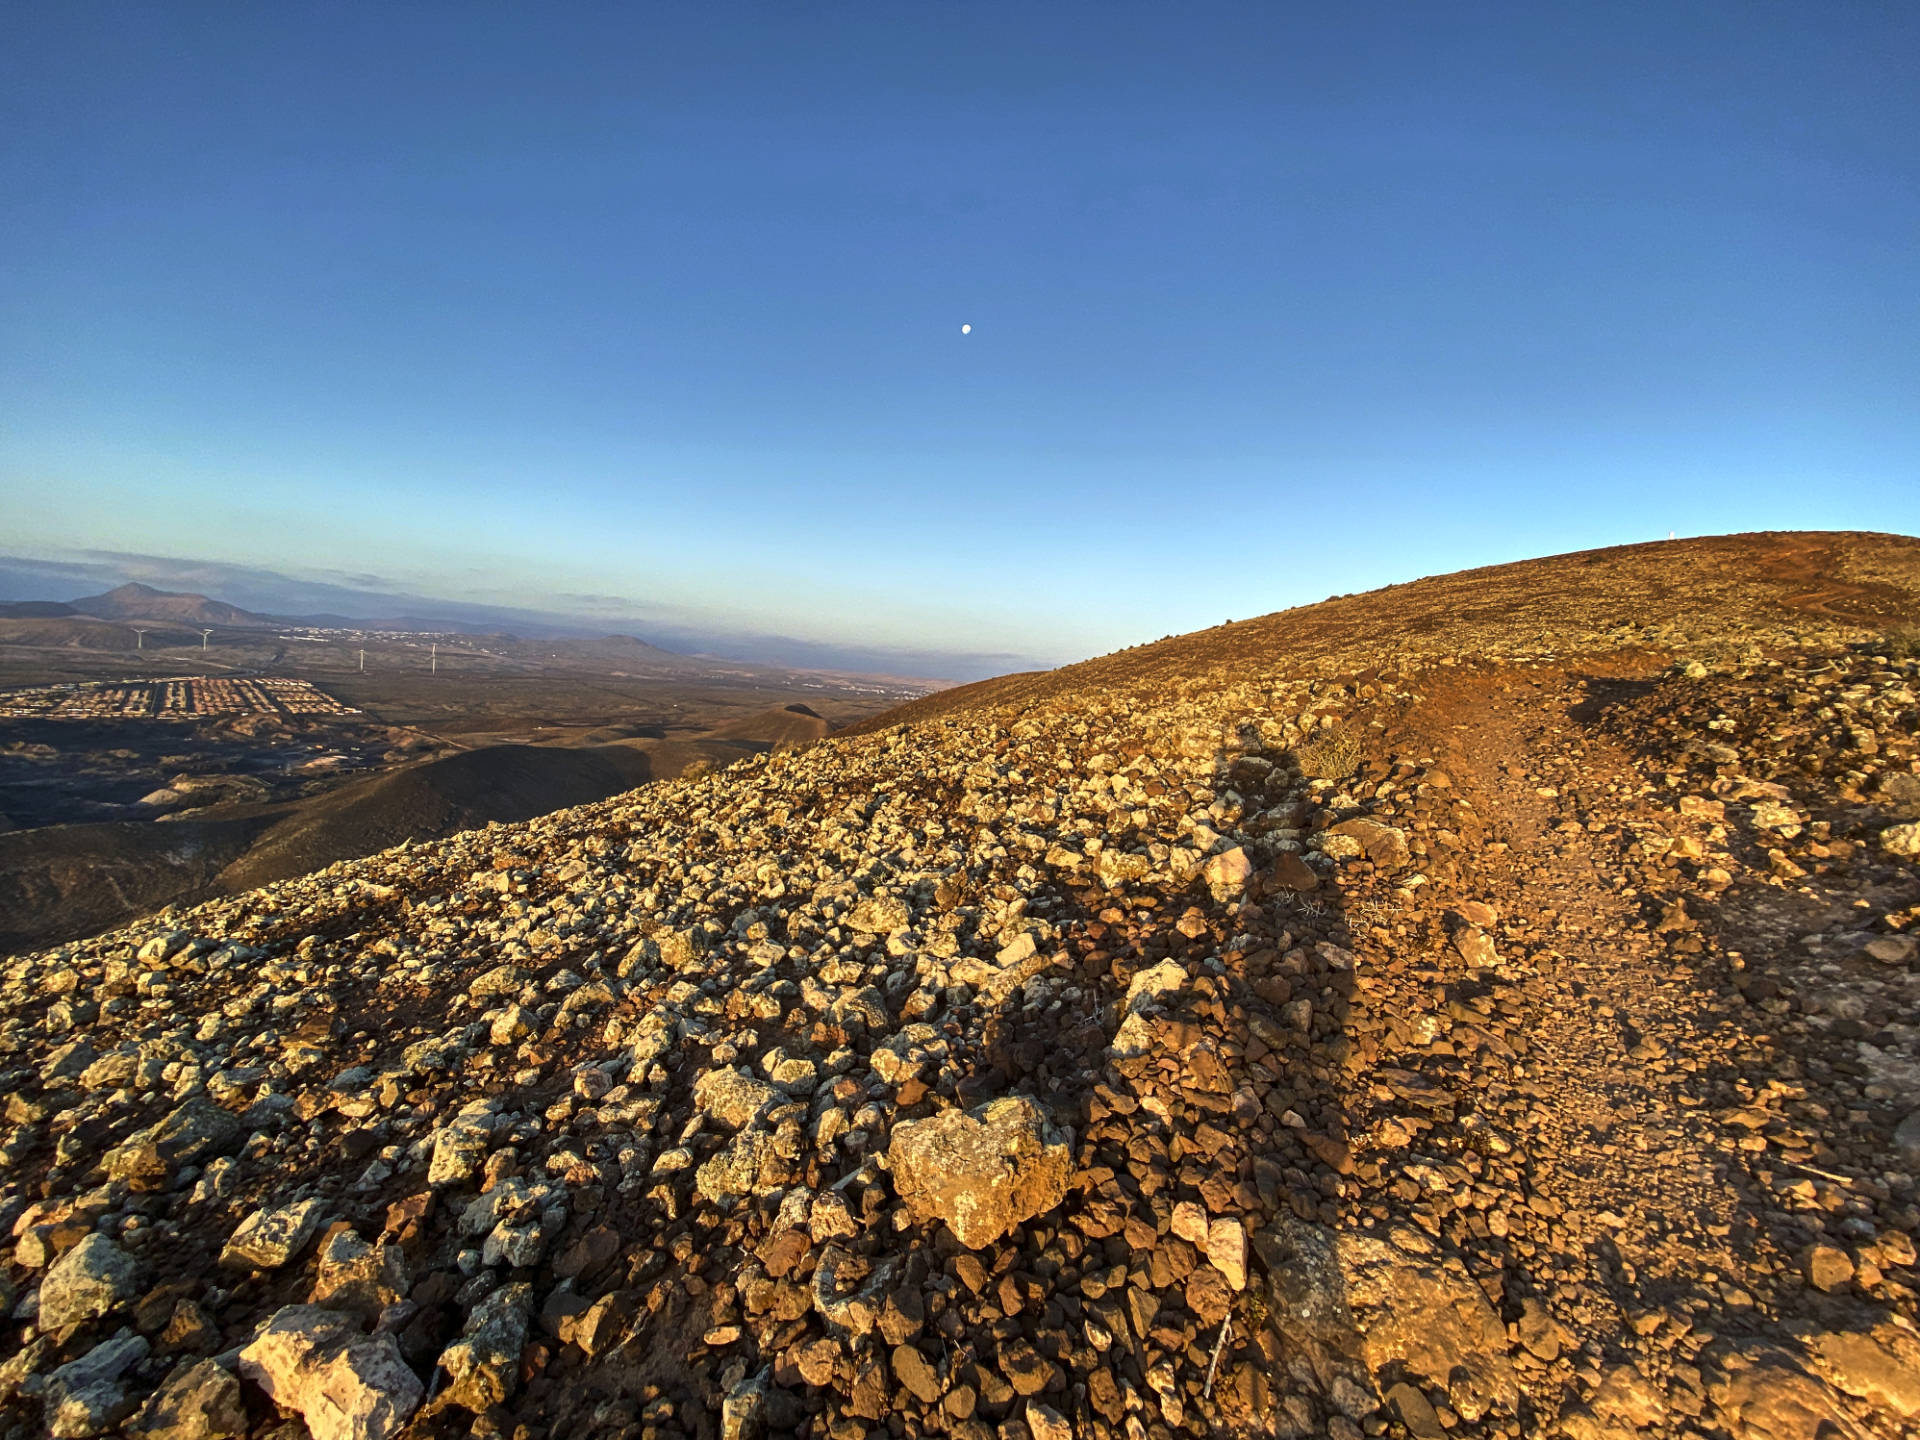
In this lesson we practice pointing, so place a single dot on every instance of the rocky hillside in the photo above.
(1482, 1007)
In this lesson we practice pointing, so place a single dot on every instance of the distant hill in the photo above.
(66, 880)
(142, 602)
(435, 798)
(781, 728)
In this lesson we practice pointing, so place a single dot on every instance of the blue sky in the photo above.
(653, 312)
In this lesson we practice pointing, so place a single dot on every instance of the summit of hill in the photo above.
(135, 601)
(1480, 1007)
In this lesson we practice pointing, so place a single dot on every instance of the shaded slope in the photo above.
(436, 798)
(68, 880)
(778, 728)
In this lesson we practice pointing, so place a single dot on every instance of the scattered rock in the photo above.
(273, 1235)
(87, 1282)
(982, 1171)
(316, 1364)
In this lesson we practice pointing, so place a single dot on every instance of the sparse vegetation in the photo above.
(1903, 642)
(1329, 755)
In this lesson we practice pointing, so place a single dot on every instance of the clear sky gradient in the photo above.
(654, 310)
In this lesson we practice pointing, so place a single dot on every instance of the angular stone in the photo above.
(200, 1401)
(732, 1098)
(273, 1235)
(1290, 872)
(1902, 840)
(880, 915)
(86, 1283)
(1227, 873)
(1227, 1251)
(912, 1370)
(501, 980)
(359, 1278)
(458, 1149)
(483, 1365)
(88, 1396)
(1046, 1423)
(345, 1385)
(1827, 1267)
(1880, 1366)
(737, 1168)
(1475, 949)
(1384, 845)
(190, 1134)
(1424, 1322)
(982, 1171)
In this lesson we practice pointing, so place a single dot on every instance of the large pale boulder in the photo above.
(345, 1385)
(983, 1171)
(1902, 840)
(880, 915)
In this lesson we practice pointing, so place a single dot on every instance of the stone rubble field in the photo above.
(1367, 1021)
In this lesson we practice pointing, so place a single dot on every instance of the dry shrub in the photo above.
(1331, 754)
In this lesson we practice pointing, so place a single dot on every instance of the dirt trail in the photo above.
(1657, 1230)
(1795, 567)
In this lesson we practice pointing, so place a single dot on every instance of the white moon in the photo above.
(966, 329)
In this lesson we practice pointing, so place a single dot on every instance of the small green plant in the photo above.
(1331, 754)
(1903, 642)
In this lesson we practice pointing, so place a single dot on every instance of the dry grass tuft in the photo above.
(1332, 754)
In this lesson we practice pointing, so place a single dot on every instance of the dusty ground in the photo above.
(1477, 1008)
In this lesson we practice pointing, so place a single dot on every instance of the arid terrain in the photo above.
(1481, 1007)
(142, 763)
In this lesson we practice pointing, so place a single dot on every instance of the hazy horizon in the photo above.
(654, 316)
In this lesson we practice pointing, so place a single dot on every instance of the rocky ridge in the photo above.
(1499, 1028)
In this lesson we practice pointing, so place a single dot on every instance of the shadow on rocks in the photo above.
(1204, 1083)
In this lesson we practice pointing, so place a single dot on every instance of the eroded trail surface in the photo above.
(1484, 1008)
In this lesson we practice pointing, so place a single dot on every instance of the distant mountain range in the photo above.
(135, 601)
(81, 622)
(259, 598)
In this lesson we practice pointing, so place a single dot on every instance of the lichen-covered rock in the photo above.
(273, 1235)
(1420, 1319)
(89, 1395)
(199, 1401)
(483, 1365)
(358, 1277)
(732, 1098)
(345, 1385)
(982, 1171)
(87, 1282)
